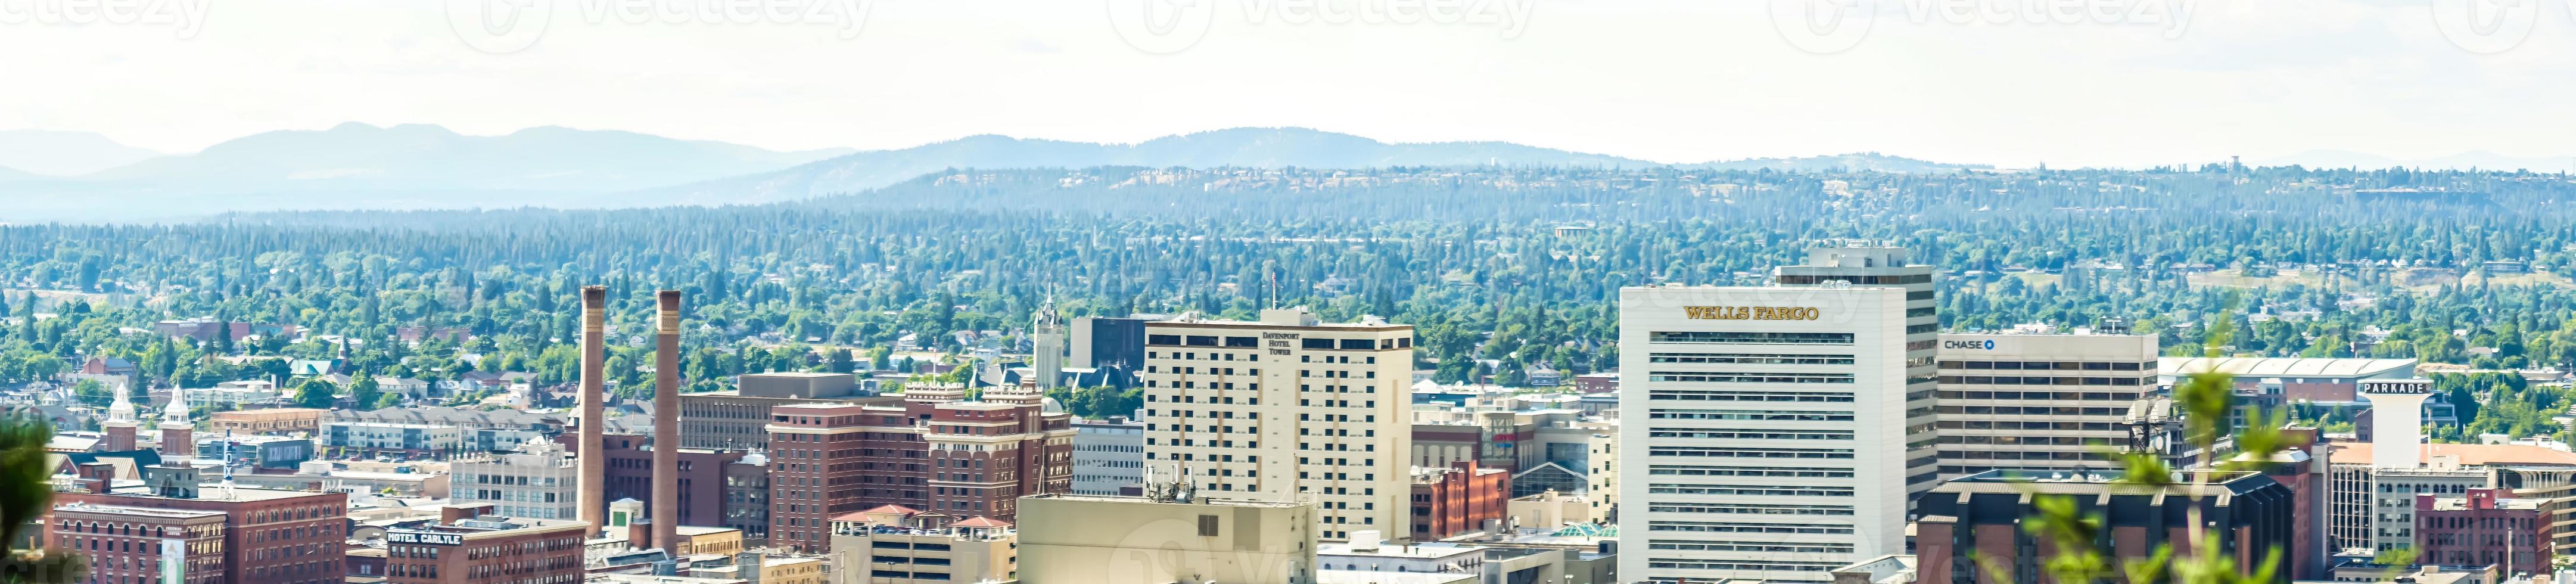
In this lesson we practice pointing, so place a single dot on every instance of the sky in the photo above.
(2006, 82)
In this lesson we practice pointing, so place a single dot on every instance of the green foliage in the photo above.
(362, 391)
(316, 393)
(26, 491)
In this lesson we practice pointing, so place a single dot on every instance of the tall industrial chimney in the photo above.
(666, 424)
(593, 500)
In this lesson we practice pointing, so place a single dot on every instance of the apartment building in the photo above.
(1286, 408)
(1783, 429)
(937, 453)
(2038, 404)
(538, 482)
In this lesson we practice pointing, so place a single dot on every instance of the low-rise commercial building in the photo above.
(1461, 499)
(1972, 527)
(537, 482)
(2480, 527)
(893, 544)
(1165, 537)
(467, 546)
(266, 421)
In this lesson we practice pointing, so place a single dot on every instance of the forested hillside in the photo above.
(1530, 255)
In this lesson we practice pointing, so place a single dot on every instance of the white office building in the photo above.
(1286, 409)
(1775, 432)
(1108, 455)
(537, 482)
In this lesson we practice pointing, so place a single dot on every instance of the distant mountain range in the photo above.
(359, 166)
(1237, 147)
(2477, 159)
(51, 153)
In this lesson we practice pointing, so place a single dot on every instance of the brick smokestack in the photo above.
(666, 424)
(593, 461)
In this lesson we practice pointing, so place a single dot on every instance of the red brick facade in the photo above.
(933, 453)
(272, 537)
(2475, 530)
(1448, 502)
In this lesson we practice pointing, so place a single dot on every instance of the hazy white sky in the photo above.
(2009, 82)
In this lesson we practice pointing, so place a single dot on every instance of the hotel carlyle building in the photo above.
(1285, 409)
(1776, 432)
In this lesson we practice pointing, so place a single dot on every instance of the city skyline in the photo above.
(2159, 83)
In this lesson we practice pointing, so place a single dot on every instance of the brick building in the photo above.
(131, 544)
(630, 476)
(1448, 502)
(465, 546)
(270, 537)
(267, 421)
(2481, 527)
(935, 452)
(737, 419)
(1971, 527)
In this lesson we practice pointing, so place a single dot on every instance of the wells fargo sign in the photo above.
(1750, 312)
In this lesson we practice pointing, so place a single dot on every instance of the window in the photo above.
(1207, 526)
(1744, 338)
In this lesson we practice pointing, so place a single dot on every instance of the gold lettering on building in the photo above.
(1750, 312)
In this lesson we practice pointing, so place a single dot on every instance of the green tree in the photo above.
(317, 393)
(362, 391)
(26, 492)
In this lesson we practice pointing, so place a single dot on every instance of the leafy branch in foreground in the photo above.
(26, 489)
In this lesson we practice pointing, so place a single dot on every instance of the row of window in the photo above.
(1255, 342)
(1723, 527)
(1747, 490)
(1697, 452)
(1665, 394)
(1749, 338)
(1748, 359)
(1748, 471)
(2026, 380)
(1750, 434)
(1750, 546)
(1747, 509)
(1728, 377)
(2149, 366)
(1749, 415)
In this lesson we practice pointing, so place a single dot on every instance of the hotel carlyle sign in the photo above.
(425, 538)
(1750, 312)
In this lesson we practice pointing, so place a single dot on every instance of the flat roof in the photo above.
(1143, 500)
(2469, 454)
(2282, 366)
(132, 510)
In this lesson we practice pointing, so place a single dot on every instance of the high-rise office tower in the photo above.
(1285, 409)
(2039, 404)
(1775, 432)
